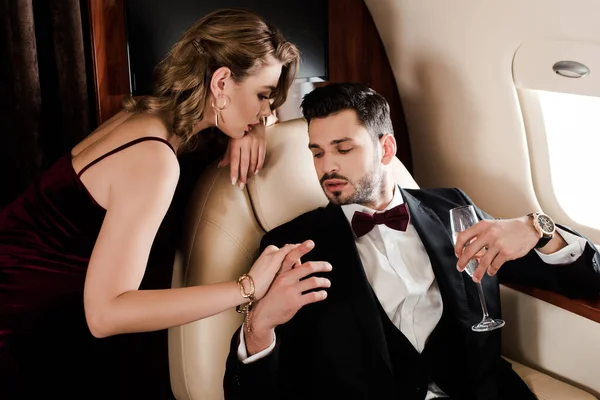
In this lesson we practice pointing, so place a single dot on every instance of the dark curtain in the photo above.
(45, 89)
(47, 106)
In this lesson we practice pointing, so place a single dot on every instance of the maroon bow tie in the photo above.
(394, 218)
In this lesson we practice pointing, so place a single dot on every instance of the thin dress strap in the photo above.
(124, 146)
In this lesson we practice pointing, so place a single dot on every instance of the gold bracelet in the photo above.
(246, 308)
(246, 295)
(248, 322)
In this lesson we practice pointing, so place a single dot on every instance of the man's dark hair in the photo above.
(371, 108)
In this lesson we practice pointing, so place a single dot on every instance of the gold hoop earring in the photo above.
(217, 108)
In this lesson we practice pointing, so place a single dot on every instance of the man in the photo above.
(392, 319)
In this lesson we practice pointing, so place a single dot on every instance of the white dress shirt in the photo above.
(399, 271)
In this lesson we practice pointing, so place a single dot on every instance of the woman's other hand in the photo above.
(246, 155)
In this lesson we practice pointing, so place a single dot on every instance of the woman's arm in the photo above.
(140, 194)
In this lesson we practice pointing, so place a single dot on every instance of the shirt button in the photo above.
(572, 254)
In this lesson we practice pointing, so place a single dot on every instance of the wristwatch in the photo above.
(545, 227)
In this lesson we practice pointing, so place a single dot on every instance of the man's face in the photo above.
(346, 159)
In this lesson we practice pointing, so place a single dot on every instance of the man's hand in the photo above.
(494, 242)
(246, 155)
(283, 300)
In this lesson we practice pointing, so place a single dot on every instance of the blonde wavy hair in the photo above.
(234, 38)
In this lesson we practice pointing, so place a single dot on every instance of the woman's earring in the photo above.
(218, 108)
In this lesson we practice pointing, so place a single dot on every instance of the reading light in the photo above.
(571, 69)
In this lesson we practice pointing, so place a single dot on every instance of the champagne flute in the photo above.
(462, 218)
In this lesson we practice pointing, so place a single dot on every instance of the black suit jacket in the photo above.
(336, 348)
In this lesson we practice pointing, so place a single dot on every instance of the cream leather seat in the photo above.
(224, 228)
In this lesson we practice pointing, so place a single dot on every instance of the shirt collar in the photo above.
(350, 209)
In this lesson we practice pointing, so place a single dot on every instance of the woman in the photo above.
(83, 232)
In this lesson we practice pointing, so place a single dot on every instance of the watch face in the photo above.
(546, 223)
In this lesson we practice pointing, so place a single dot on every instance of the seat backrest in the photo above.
(223, 231)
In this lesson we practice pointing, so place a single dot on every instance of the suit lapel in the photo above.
(344, 254)
(438, 243)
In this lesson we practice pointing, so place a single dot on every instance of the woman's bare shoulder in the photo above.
(149, 156)
(150, 165)
(119, 132)
(149, 168)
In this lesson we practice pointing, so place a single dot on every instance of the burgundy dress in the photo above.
(46, 239)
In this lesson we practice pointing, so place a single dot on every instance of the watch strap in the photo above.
(542, 242)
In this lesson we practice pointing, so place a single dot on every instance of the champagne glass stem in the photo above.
(482, 301)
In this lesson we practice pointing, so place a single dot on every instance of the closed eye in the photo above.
(344, 151)
(318, 155)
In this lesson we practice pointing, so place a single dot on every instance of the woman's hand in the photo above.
(245, 155)
(272, 260)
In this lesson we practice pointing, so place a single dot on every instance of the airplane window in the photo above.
(572, 124)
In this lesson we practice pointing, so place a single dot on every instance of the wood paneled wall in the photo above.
(356, 54)
(109, 55)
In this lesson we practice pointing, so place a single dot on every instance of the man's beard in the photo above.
(365, 190)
